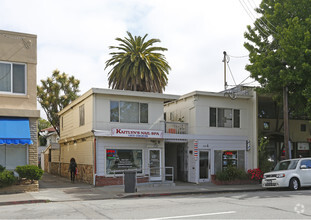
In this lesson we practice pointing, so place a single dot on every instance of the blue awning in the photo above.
(14, 131)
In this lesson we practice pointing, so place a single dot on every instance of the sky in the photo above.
(74, 36)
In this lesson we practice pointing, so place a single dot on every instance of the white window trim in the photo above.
(12, 93)
(232, 112)
(111, 100)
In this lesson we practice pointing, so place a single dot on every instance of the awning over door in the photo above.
(14, 131)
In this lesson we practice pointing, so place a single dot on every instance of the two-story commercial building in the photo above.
(110, 131)
(206, 132)
(18, 103)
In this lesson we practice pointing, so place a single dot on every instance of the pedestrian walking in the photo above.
(72, 169)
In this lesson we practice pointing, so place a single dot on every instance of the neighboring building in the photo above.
(49, 156)
(110, 131)
(18, 103)
(206, 132)
(270, 125)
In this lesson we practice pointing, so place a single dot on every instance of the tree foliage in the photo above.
(42, 124)
(279, 46)
(55, 93)
(137, 65)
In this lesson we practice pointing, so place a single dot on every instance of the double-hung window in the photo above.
(128, 112)
(224, 117)
(12, 78)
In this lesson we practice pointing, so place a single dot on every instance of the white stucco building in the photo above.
(208, 131)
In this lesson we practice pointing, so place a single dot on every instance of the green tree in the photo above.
(279, 46)
(138, 65)
(42, 124)
(55, 93)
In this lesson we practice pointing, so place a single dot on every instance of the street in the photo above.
(280, 204)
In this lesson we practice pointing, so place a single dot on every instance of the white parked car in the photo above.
(294, 173)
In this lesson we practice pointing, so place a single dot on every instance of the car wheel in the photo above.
(294, 184)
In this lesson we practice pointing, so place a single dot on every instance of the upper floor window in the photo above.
(12, 78)
(224, 117)
(128, 112)
(81, 115)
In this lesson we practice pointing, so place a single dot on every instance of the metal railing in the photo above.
(176, 127)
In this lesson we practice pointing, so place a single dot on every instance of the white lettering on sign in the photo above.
(120, 132)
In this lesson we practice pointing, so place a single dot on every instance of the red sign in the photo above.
(228, 153)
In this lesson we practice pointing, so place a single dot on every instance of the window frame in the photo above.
(12, 77)
(81, 115)
(216, 117)
(118, 120)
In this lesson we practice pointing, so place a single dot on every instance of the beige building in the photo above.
(108, 132)
(270, 125)
(18, 103)
(206, 132)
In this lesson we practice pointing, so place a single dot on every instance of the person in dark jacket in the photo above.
(72, 169)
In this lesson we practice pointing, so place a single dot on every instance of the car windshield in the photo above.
(286, 165)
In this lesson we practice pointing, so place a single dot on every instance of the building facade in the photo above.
(206, 132)
(270, 126)
(108, 132)
(18, 103)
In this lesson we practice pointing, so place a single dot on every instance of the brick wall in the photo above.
(85, 172)
(108, 181)
(33, 149)
(54, 168)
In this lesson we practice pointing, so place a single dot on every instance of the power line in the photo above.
(260, 29)
(231, 56)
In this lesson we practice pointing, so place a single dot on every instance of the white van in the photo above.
(294, 173)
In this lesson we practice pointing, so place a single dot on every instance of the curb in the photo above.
(187, 193)
(24, 202)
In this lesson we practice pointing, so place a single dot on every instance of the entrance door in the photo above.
(204, 160)
(155, 164)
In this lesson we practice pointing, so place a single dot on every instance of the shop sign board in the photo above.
(303, 146)
(120, 132)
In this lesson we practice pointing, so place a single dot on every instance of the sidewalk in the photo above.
(58, 189)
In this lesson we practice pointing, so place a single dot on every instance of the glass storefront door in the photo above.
(204, 160)
(155, 164)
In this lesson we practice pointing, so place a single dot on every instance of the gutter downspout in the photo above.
(95, 168)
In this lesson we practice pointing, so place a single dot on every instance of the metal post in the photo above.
(225, 74)
(286, 129)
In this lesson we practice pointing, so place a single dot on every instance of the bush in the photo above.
(7, 178)
(231, 173)
(30, 172)
(2, 168)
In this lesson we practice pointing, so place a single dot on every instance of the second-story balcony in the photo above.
(176, 127)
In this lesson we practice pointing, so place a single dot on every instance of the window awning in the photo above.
(14, 131)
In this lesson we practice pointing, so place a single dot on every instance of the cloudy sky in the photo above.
(74, 36)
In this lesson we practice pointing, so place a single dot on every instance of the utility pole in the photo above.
(286, 130)
(225, 68)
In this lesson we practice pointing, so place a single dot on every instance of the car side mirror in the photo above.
(303, 167)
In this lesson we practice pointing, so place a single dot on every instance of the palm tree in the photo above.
(138, 66)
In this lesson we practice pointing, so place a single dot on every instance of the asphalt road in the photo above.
(281, 204)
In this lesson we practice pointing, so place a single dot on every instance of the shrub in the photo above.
(7, 178)
(30, 172)
(2, 168)
(231, 173)
(255, 174)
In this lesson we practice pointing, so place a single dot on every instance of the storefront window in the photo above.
(229, 158)
(117, 160)
(303, 150)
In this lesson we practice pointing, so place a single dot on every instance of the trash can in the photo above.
(130, 182)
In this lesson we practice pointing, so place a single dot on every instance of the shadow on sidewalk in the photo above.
(54, 181)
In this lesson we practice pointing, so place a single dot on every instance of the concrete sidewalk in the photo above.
(58, 189)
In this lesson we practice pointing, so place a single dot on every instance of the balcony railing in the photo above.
(176, 127)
